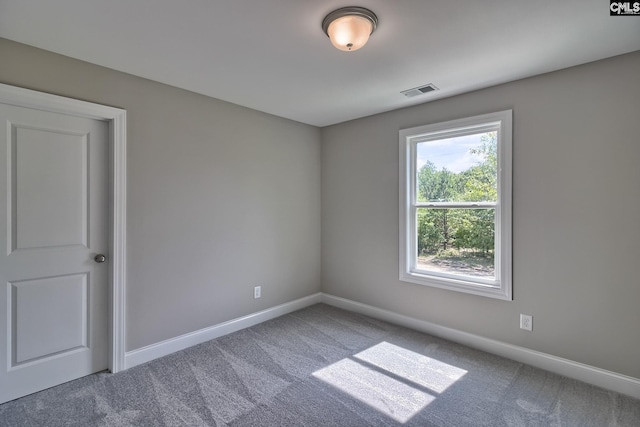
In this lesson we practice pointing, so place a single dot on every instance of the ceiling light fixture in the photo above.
(349, 28)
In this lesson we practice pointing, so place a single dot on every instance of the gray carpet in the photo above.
(323, 366)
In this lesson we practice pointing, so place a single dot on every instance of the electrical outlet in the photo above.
(526, 322)
(257, 292)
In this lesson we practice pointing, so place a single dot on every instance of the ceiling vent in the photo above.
(410, 93)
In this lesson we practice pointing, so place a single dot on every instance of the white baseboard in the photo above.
(568, 368)
(164, 348)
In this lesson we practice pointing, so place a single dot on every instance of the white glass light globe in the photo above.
(349, 33)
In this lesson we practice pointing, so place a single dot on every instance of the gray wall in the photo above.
(220, 198)
(576, 215)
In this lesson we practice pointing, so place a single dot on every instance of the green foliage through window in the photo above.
(459, 232)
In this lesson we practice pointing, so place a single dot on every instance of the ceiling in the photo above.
(272, 56)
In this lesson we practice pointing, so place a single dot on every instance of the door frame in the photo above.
(117, 119)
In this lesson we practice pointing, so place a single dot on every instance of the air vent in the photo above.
(410, 93)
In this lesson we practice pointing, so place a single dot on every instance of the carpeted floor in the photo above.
(323, 366)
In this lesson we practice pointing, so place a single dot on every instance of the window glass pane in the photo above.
(456, 241)
(459, 169)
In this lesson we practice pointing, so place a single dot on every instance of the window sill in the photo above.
(496, 290)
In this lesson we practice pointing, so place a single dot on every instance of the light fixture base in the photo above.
(350, 11)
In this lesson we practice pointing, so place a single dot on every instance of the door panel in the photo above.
(61, 324)
(50, 206)
(53, 221)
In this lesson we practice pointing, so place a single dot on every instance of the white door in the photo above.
(53, 222)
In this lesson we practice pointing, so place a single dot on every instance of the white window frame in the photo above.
(501, 286)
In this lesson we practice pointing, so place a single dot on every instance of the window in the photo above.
(455, 205)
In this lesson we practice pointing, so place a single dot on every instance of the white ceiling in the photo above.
(271, 55)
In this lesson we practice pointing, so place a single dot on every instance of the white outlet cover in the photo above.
(526, 322)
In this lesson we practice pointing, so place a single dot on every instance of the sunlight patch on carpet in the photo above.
(393, 380)
(417, 368)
